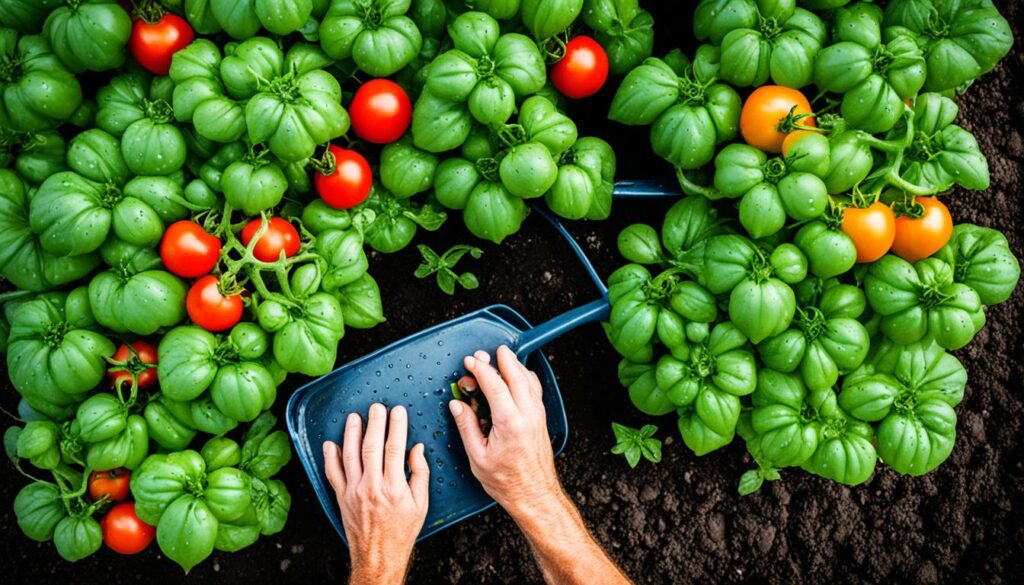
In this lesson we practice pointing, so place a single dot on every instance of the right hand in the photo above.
(514, 462)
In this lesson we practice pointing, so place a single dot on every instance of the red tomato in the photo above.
(871, 228)
(349, 184)
(145, 353)
(123, 532)
(583, 70)
(279, 235)
(921, 236)
(764, 109)
(381, 111)
(209, 308)
(153, 44)
(114, 484)
(187, 250)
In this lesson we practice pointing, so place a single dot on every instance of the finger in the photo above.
(536, 386)
(352, 445)
(469, 429)
(494, 388)
(482, 356)
(394, 449)
(373, 443)
(419, 480)
(467, 383)
(515, 374)
(332, 467)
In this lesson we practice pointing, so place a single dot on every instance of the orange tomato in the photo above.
(792, 138)
(920, 237)
(871, 228)
(764, 109)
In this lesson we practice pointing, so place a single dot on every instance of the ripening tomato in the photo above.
(210, 308)
(763, 111)
(924, 231)
(583, 70)
(871, 228)
(142, 363)
(349, 184)
(187, 250)
(114, 484)
(123, 532)
(381, 111)
(153, 44)
(280, 236)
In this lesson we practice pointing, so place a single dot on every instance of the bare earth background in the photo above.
(680, 521)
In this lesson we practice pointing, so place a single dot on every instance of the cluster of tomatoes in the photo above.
(875, 229)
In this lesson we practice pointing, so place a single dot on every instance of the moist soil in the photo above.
(681, 520)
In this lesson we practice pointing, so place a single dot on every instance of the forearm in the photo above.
(379, 570)
(565, 550)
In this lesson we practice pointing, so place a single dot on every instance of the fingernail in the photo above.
(353, 418)
(469, 362)
(481, 355)
(376, 408)
(327, 447)
(398, 413)
(456, 407)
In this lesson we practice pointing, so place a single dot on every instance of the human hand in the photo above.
(514, 462)
(381, 510)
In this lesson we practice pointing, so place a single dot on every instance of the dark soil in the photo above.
(682, 520)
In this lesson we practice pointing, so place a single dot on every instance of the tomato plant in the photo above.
(114, 484)
(139, 359)
(187, 250)
(872, 230)
(123, 532)
(280, 236)
(346, 182)
(923, 230)
(210, 308)
(583, 70)
(381, 111)
(153, 44)
(770, 113)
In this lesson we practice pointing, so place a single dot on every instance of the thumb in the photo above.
(469, 429)
(419, 476)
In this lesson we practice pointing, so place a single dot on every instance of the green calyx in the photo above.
(370, 15)
(112, 195)
(659, 289)
(158, 110)
(10, 70)
(809, 413)
(932, 296)
(54, 334)
(882, 60)
(770, 28)
(692, 92)
(811, 321)
(488, 169)
(702, 363)
(284, 88)
(512, 135)
(922, 148)
(905, 401)
(834, 428)
(775, 170)
(485, 67)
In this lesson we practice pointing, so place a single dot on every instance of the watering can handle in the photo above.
(548, 331)
(646, 189)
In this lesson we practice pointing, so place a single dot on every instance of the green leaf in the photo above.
(623, 434)
(772, 474)
(651, 449)
(468, 281)
(648, 431)
(455, 253)
(430, 257)
(632, 456)
(446, 281)
(619, 449)
(425, 270)
(750, 482)
(428, 217)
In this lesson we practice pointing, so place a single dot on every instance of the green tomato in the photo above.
(850, 161)
(26, 16)
(962, 40)
(830, 252)
(141, 302)
(253, 186)
(528, 170)
(544, 124)
(187, 531)
(981, 258)
(166, 429)
(455, 180)
(640, 243)
(50, 362)
(77, 537)
(221, 452)
(38, 442)
(241, 391)
(39, 92)
(308, 343)
(405, 170)
(438, 124)
(784, 434)
(820, 347)
(271, 505)
(345, 258)
(199, 96)
(584, 184)
(248, 340)
(34, 155)
(186, 363)
(89, 35)
(160, 480)
(623, 29)
(922, 299)
(126, 449)
(101, 417)
(789, 263)
(227, 493)
(153, 147)
(273, 453)
(546, 18)
(361, 303)
(199, 14)
(283, 17)
(952, 156)
(845, 453)
(376, 34)
(492, 213)
(207, 418)
(318, 217)
(38, 508)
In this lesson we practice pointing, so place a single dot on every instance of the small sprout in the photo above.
(444, 267)
(636, 443)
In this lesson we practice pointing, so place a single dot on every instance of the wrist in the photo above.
(378, 568)
(549, 503)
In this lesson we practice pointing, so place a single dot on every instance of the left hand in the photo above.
(381, 510)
